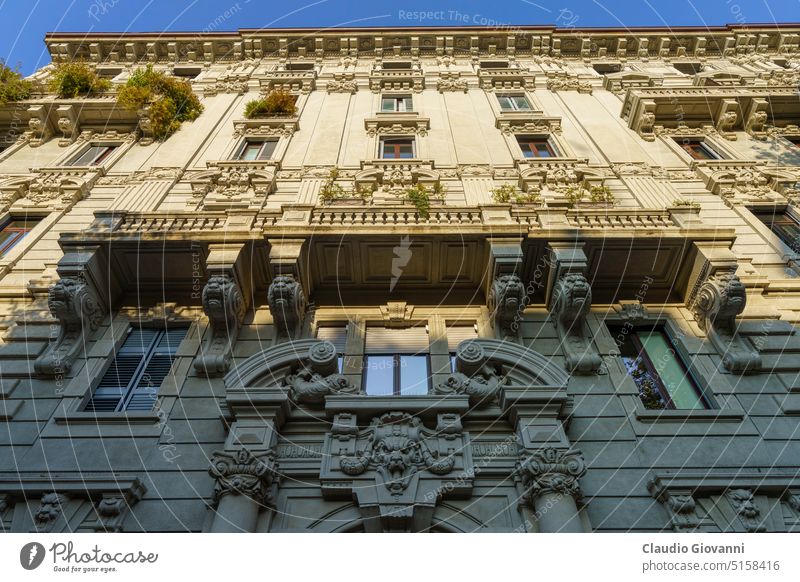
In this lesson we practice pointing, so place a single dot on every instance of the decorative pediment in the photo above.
(395, 176)
(526, 123)
(567, 82)
(383, 79)
(622, 81)
(501, 79)
(742, 182)
(233, 183)
(397, 124)
(560, 182)
(266, 127)
(56, 188)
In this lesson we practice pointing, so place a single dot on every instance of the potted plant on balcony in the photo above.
(331, 192)
(594, 196)
(164, 102)
(276, 103)
(510, 194)
(73, 79)
(420, 196)
(12, 86)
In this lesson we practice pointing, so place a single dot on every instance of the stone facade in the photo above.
(538, 426)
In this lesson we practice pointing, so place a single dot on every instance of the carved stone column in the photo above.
(246, 482)
(550, 480)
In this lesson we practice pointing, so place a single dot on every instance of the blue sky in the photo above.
(23, 23)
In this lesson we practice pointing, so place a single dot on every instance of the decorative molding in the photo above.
(342, 83)
(114, 506)
(571, 302)
(567, 82)
(511, 124)
(397, 124)
(475, 376)
(451, 82)
(744, 505)
(242, 472)
(233, 183)
(720, 298)
(397, 312)
(679, 503)
(266, 127)
(318, 376)
(49, 511)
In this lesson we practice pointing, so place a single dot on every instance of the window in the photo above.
(784, 226)
(396, 103)
(494, 64)
(793, 139)
(337, 335)
(299, 66)
(137, 370)
(257, 149)
(93, 156)
(397, 148)
(396, 65)
(689, 68)
(606, 68)
(652, 362)
(455, 335)
(514, 102)
(536, 147)
(698, 149)
(13, 232)
(396, 361)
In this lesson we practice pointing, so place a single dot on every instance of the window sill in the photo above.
(121, 418)
(705, 415)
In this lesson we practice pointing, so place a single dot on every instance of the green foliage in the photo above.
(509, 193)
(12, 86)
(71, 79)
(420, 196)
(170, 100)
(685, 202)
(331, 191)
(275, 104)
(601, 194)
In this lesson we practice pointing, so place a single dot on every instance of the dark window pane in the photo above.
(784, 226)
(413, 375)
(673, 376)
(535, 147)
(697, 149)
(13, 232)
(379, 375)
(93, 156)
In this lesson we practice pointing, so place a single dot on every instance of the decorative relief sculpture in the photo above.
(225, 307)
(717, 303)
(474, 376)
(114, 507)
(78, 309)
(550, 470)
(680, 505)
(252, 474)
(287, 303)
(506, 302)
(48, 512)
(572, 300)
(744, 505)
(319, 376)
(569, 83)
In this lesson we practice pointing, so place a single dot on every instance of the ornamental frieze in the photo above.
(233, 182)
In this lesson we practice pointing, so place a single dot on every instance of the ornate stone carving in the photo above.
(572, 300)
(48, 512)
(680, 505)
(342, 83)
(717, 303)
(397, 125)
(745, 507)
(225, 307)
(242, 472)
(569, 83)
(78, 309)
(113, 508)
(451, 82)
(287, 302)
(506, 302)
(233, 183)
(318, 376)
(474, 376)
(544, 125)
(550, 470)
(397, 469)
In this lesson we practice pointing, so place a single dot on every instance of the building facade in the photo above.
(527, 280)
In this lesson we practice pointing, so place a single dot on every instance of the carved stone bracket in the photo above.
(396, 469)
(49, 510)
(113, 507)
(744, 505)
(506, 304)
(720, 298)
(242, 472)
(475, 376)
(679, 503)
(79, 311)
(225, 307)
(318, 376)
(570, 301)
(287, 303)
(726, 118)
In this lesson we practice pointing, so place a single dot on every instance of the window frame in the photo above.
(788, 216)
(246, 143)
(515, 108)
(145, 360)
(382, 147)
(684, 143)
(548, 142)
(397, 365)
(631, 332)
(397, 99)
(97, 161)
(7, 246)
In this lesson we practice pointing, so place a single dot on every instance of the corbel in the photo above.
(569, 300)
(79, 300)
(506, 291)
(287, 295)
(716, 297)
(39, 127)
(756, 117)
(726, 118)
(226, 299)
(67, 124)
(679, 503)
